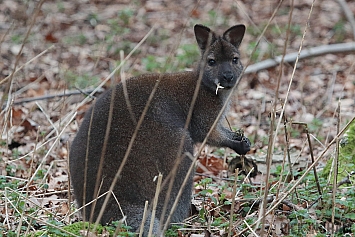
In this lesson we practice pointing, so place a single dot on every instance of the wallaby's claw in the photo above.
(243, 144)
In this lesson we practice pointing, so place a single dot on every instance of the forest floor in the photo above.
(74, 46)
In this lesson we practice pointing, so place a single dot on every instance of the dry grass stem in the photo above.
(299, 66)
(300, 179)
(144, 218)
(335, 169)
(155, 203)
(233, 203)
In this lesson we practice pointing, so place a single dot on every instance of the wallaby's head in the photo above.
(220, 62)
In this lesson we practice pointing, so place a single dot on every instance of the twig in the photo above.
(335, 169)
(145, 213)
(300, 179)
(312, 156)
(233, 203)
(155, 203)
(46, 97)
(66, 93)
(277, 91)
(6, 33)
(125, 91)
(288, 150)
(291, 205)
(51, 225)
(69, 182)
(44, 159)
(305, 53)
(24, 65)
(269, 153)
(348, 14)
(264, 212)
(140, 121)
(119, 226)
(7, 91)
(179, 155)
(249, 227)
(212, 128)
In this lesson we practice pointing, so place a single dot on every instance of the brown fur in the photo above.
(156, 146)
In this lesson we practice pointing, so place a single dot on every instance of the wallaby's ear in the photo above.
(204, 36)
(235, 34)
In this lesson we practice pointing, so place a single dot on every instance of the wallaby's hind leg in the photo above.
(134, 215)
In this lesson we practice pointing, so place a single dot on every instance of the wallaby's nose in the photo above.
(228, 76)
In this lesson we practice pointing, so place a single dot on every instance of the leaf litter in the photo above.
(87, 36)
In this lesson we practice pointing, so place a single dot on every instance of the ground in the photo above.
(61, 49)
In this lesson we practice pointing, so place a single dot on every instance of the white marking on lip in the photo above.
(219, 87)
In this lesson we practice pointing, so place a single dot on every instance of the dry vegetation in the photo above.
(50, 55)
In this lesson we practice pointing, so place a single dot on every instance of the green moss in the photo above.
(346, 161)
(74, 230)
(84, 80)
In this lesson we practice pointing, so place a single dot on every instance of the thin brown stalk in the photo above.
(300, 179)
(129, 148)
(268, 168)
(44, 159)
(28, 62)
(335, 170)
(69, 116)
(249, 227)
(288, 149)
(271, 129)
(51, 96)
(125, 91)
(7, 91)
(214, 124)
(11, 202)
(118, 228)
(134, 134)
(6, 33)
(86, 163)
(102, 158)
(233, 203)
(89, 203)
(258, 123)
(145, 213)
(69, 184)
(155, 203)
(179, 155)
(33, 159)
(312, 155)
(272, 136)
(51, 225)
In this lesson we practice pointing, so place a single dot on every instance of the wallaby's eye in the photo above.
(211, 62)
(235, 60)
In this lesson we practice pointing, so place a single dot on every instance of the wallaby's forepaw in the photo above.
(243, 143)
(244, 146)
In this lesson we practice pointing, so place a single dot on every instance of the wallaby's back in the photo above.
(156, 146)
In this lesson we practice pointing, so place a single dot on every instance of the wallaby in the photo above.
(108, 127)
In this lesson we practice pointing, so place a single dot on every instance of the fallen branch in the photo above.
(306, 53)
(289, 58)
(67, 93)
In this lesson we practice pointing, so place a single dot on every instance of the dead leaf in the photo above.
(51, 38)
(212, 164)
